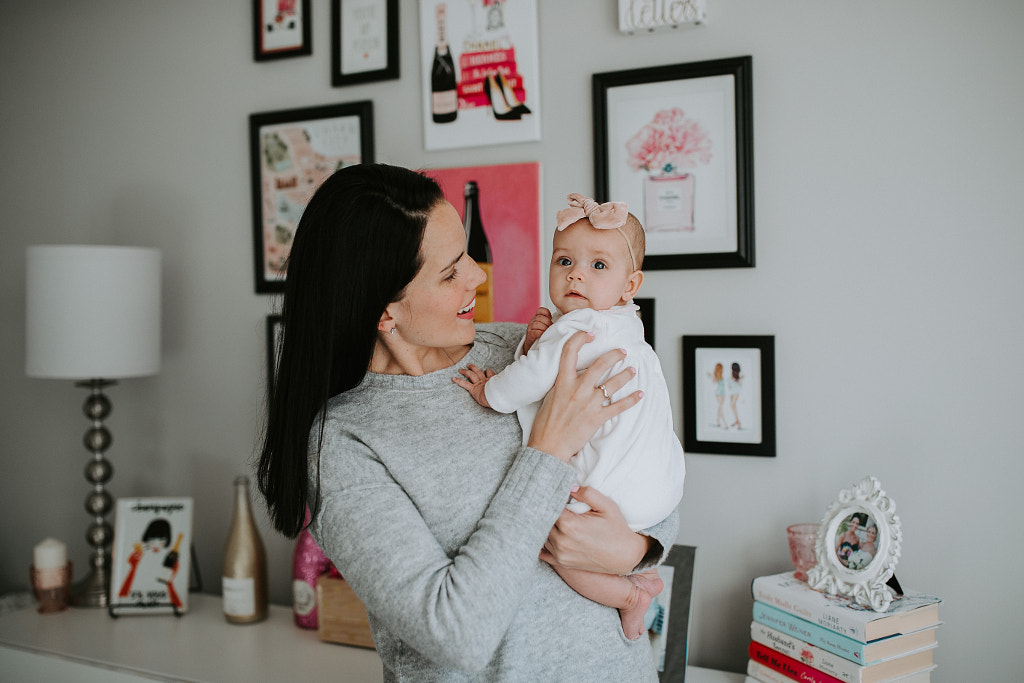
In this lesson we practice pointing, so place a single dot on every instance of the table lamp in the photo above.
(93, 315)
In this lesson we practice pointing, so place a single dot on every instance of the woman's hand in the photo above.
(576, 406)
(597, 541)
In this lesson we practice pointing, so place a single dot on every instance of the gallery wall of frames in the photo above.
(674, 141)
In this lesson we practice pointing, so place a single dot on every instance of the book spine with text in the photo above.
(911, 612)
(820, 659)
(833, 642)
(794, 596)
(765, 674)
(794, 669)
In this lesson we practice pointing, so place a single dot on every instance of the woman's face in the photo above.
(436, 310)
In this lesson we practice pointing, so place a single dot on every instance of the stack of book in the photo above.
(800, 634)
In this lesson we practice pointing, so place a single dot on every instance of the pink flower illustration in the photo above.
(670, 141)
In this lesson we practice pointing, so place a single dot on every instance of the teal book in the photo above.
(838, 644)
(910, 612)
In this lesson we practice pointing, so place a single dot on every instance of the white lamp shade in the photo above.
(92, 312)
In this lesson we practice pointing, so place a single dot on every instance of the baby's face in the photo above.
(590, 268)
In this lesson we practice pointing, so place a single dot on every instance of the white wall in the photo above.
(887, 177)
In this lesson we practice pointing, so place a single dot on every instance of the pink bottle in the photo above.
(308, 563)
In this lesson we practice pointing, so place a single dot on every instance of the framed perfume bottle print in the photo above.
(676, 143)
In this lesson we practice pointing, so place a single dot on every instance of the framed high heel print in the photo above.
(676, 143)
(480, 72)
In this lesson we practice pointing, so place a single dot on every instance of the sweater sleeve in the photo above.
(664, 536)
(530, 377)
(453, 609)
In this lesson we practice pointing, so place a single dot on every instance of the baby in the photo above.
(634, 458)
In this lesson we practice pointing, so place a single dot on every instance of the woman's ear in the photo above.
(387, 322)
(633, 285)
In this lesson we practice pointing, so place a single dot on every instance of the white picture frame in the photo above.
(858, 546)
(484, 39)
(151, 561)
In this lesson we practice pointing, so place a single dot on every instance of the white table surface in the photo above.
(88, 646)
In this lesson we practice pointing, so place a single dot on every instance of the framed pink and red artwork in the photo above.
(507, 198)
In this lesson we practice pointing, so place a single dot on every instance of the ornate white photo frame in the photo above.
(858, 546)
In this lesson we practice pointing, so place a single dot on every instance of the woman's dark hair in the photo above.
(736, 371)
(158, 528)
(356, 248)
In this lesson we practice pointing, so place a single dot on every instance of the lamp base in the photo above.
(94, 589)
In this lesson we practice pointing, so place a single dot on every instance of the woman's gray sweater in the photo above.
(435, 513)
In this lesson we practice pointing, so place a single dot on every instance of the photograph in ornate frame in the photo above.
(676, 143)
(364, 41)
(729, 395)
(290, 153)
(281, 29)
(858, 546)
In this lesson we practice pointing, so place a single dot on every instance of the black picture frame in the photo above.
(298, 21)
(713, 420)
(370, 8)
(283, 179)
(669, 632)
(646, 313)
(719, 232)
(274, 334)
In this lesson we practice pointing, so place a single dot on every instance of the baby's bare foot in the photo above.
(645, 587)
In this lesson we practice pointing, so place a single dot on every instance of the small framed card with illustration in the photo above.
(151, 559)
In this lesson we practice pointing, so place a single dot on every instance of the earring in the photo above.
(392, 330)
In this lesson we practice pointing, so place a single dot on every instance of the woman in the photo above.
(427, 503)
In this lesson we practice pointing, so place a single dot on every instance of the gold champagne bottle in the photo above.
(479, 249)
(244, 579)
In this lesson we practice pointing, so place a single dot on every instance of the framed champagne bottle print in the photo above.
(291, 152)
(500, 208)
(480, 72)
(364, 41)
(676, 143)
(151, 558)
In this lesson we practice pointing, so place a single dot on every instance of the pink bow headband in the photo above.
(607, 216)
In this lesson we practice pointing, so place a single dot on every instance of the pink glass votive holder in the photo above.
(51, 587)
(802, 539)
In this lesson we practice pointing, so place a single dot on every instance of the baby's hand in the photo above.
(473, 380)
(538, 324)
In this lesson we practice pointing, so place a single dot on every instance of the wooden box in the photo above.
(342, 617)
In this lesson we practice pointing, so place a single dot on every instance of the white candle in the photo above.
(50, 554)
